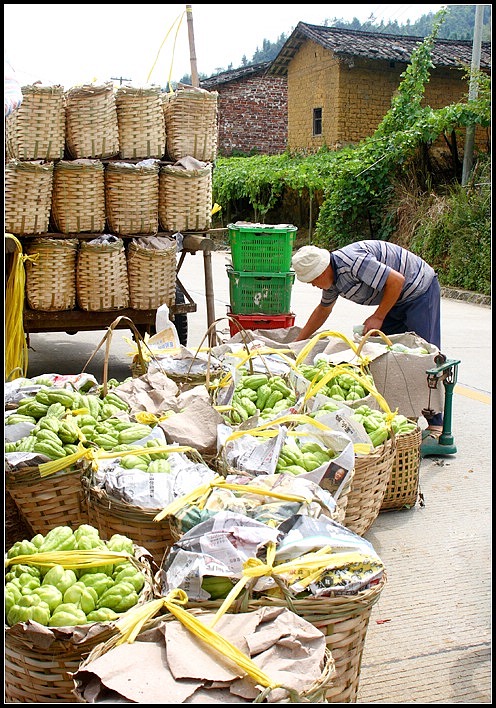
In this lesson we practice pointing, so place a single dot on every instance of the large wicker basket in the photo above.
(78, 198)
(101, 282)
(91, 121)
(36, 130)
(131, 193)
(28, 196)
(111, 515)
(344, 621)
(16, 526)
(51, 273)
(403, 486)
(40, 661)
(191, 124)
(141, 122)
(185, 198)
(151, 269)
(372, 474)
(47, 502)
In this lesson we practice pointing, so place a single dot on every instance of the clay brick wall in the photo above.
(252, 115)
(354, 95)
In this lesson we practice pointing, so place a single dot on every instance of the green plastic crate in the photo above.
(268, 293)
(261, 248)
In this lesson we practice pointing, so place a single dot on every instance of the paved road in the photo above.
(429, 636)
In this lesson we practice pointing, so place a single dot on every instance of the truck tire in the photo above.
(181, 319)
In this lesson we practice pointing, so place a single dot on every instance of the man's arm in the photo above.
(390, 295)
(315, 321)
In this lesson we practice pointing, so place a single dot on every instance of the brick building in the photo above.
(330, 86)
(252, 110)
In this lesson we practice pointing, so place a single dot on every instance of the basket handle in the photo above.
(108, 338)
(364, 339)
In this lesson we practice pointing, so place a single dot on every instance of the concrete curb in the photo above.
(466, 296)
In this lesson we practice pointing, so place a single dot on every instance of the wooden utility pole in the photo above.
(192, 54)
(207, 255)
(473, 90)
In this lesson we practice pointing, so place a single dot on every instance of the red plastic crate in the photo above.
(259, 321)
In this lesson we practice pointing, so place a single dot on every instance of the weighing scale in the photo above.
(445, 371)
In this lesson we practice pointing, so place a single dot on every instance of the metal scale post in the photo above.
(447, 372)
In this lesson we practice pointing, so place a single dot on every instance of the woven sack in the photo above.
(101, 275)
(91, 121)
(40, 661)
(37, 128)
(372, 474)
(28, 196)
(47, 502)
(131, 193)
(343, 619)
(403, 486)
(191, 124)
(185, 198)
(51, 274)
(141, 122)
(78, 197)
(151, 270)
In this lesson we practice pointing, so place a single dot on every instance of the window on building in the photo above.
(317, 121)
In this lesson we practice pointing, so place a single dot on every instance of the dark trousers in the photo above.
(422, 316)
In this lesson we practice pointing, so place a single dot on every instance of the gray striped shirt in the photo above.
(361, 270)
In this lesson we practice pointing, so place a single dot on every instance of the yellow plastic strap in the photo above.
(91, 454)
(16, 349)
(178, 20)
(71, 559)
(132, 621)
(217, 642)
(189, 498)
(308, 347)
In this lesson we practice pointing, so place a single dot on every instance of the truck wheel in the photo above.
(181, 319)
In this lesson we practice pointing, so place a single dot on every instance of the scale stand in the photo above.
(446, 371)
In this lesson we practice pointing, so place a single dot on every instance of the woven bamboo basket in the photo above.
(16, 526)
(28, 196)
(39, 661)
(185, 198)
(111, 515)
(51, 274)
(403, 486)
(37, 128)
(101, 276)
(151, 270)
(141, 122)
(78, 197)
(315, 693)
(47, 502)
(131, 194)
(343, 619)
(191, 124)
(91, 121)
(372, 474)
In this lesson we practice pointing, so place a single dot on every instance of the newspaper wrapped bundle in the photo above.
(319, 569)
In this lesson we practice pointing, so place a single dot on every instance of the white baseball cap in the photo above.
(309, 262)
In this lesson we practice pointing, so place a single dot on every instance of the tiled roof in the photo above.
(234, 74)
(374, 45)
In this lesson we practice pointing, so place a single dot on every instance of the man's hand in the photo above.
(372, 322)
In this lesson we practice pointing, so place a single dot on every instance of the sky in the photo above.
(140, 44)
